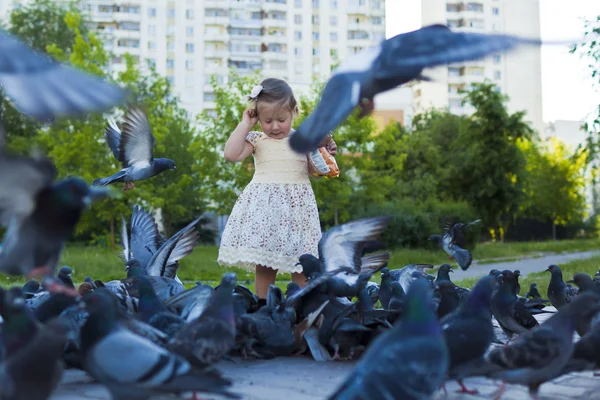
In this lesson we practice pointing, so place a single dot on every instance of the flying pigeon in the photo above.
(409, 361)
(452, 242)
(43, 88)
(341, 246)
(394, 62)
(133, 148)
(40, 213)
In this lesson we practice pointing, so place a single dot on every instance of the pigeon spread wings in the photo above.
(341, 246)
(145, 238)
(137, 140)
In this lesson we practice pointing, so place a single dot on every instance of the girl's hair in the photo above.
(275, 90)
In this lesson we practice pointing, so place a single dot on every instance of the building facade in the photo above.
(516, 74)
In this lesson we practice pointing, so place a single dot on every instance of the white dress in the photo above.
(275, 220)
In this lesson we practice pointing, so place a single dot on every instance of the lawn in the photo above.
(201, 265)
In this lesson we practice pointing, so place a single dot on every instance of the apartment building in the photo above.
(517, 74)
(190, 40)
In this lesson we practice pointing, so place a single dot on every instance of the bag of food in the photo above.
(321, 163)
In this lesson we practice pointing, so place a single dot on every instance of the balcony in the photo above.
(245, 4)
(275, 23)
(215, 37)
(217, 3)
(125, 16)
(218, 20)
(274, 6)
(359, 26)
(242, 23)
(216, 53)
(214, 69)
(362, 42)
(358, 10)
(119, 51)
(274, 55)
(245, 37)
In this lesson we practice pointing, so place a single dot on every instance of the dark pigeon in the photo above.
(541, 354)
(40, 214)
(469, 332)
(134, 149)
(152, 311)
(65, 275)
(394, 62)
(586, 284)
(511, 314)
(44, 89)
(341, 246)
(191, 303)
(449, 298)
(343, 334)
(559, 293)
(147, 370)
(373, 291)
(533, 292)
(452, 242)
(586, 353)
(31, 288)
(517, 274)
(34, 369)
(444, 275)
(205, 340)
(418, 341)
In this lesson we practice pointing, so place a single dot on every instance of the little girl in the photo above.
(275, 219)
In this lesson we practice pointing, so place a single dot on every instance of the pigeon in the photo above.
(133, 148)
(153, 312)
(533, 292)
(341, 246)
(343, 334)
(132, 367)
(541, 354)
(42, 88)
(191, 303)
(34, 370)
(449, 297)
(373, 291)
(559, 293)
(494, 272)
(394, 62)
(517, 274)
(511, 314)
(31, 288)
(586, 284)
(586, 353)
(145, 244)
(205, 340)
(405, 275)
(409, 361)
(65, 275)
(443, 274)
(452, 242)
(466, 348)
(40, 214)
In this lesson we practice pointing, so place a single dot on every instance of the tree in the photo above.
(555, 182)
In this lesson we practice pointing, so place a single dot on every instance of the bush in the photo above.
(412, 224)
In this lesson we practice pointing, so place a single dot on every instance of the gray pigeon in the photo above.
(40, 214)
(44, 89)
(394, 62)
(156, 256)
(133, 148)
(409, 361)
(405, 275)
(559, 293)
(452, 242)
(147, 369)
(541, 354)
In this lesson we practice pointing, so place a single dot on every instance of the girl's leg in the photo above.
(265, 276)
(298, 277)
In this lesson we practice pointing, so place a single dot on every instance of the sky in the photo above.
(567, 88)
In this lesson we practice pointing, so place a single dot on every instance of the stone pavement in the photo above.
(302, 378)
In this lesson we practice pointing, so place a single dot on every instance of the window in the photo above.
(497, 89)
(315, 20)
(333, 53)
(452, 7)
(189, 14)
(171, 80)
(171, 46)
(477, 72)
(497, 74)
(475, 7)
(298, 18)
(189, 47)
(151, 62)
(189, 64)
(315, 35)
(316, 52)
(151, 30)
(298, 51)
(170, 63)
(151, 45)
(170, 29)
(495, 11)
(497, 58)
(455, 103)
(453, 71)
(209, 96)
(189, 31)
(315, 3)
(152, 12)
(129, 26)
(333, 20)
(298, 35)
(171, 13)
(334, 4)
(376, 20)
(333, 36)
(298, 3)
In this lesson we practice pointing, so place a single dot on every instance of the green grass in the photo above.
(202, 264)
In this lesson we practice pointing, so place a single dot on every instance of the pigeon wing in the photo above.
(341, 246)
(436, 45)
(144, 235)
(42, 88)
(340, 96)
(137, 141)
(112, 135)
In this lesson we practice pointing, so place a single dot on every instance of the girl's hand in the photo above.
(250, 118)
(331, 147)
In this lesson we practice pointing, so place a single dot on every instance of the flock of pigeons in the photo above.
(147, 334)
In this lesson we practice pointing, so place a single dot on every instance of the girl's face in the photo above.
(275, 120)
